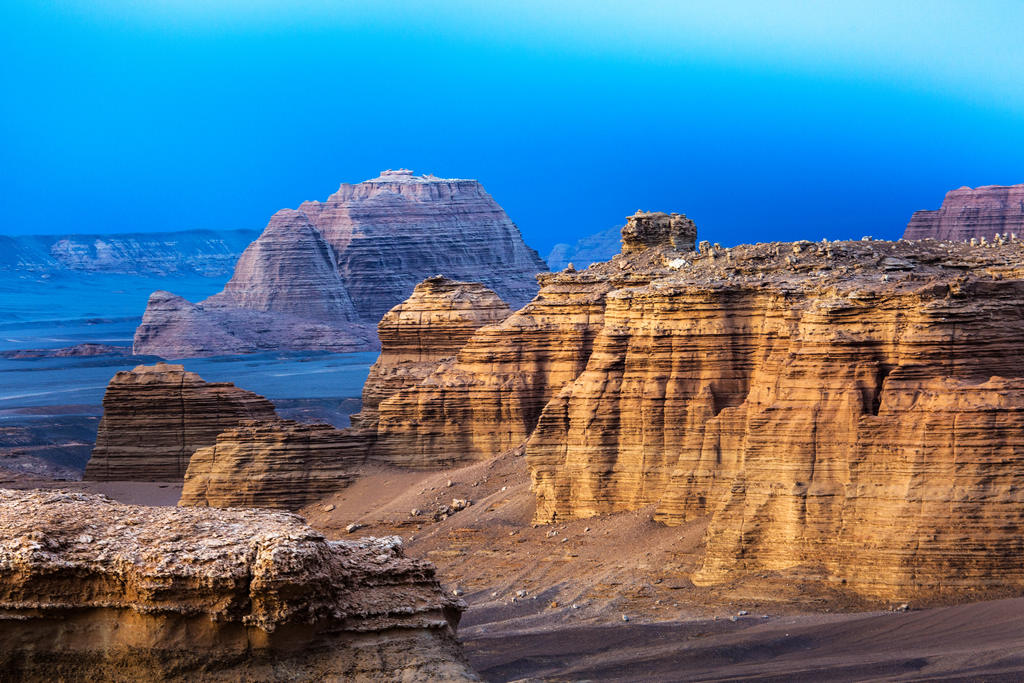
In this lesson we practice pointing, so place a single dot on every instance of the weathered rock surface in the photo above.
(488, 401)
(847, 412)
(273, 464)
(155, 417)
(424, 332)
(95, 590)
(972, 213)
(321, 277)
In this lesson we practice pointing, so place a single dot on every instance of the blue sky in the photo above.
(761, 120)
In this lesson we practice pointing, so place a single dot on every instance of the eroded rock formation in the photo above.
(156, 416)
(322, 276)
(848, 412)
(423, 332)
(273, 464)
(981, 212)
(488, 401)
(95, 590)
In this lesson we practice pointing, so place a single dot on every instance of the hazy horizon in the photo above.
(760, 122)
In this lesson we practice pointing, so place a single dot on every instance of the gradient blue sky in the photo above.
(761, 120)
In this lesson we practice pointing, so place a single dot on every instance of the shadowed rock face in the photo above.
(321, 277)
(94, 590)
(848, 412)
(273, 464)
(155, 417)
(972, 213)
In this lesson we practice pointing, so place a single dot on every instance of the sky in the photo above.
(760, 120)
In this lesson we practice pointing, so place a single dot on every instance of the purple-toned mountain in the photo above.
(972, 212)
(320, 277)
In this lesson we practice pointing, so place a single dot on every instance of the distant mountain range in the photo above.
(598, 247)
(207, 253)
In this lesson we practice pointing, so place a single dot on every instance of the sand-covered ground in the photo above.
(609, 598)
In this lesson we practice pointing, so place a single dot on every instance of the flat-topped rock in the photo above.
(841, 412)
(272, 463)
(95, 590)
(966, 213)
(156, 416)
(322, 276)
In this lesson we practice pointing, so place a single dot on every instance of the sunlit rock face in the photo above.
(422, 333)
(156, 416)
(322, 276)
(273, 464)
(95, 590)
(849, 412)
(966, 213)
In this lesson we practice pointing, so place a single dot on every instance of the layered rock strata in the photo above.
(95, 590)
(272, 464)
(156, 416)
(489, 399)
(424, 332)
(966, 213)
(848, 412)
(321, 277)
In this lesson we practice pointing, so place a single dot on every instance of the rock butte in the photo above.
(95, 590)
(156, 416)
(273, 464)
(972, 213)
(851, 412)
(419, 336)
(321, 277)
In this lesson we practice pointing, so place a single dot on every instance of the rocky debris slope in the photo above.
(846, 412)
(95, 590)
(272, 464)
(156, 416)
(967, 213)
(206, 253)
(321, 276)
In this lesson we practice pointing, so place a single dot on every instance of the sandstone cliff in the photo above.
(94, 590)
(322, 276)
(488, 401)
(845, 412)
(422, 333)
(155, 417)
(966, 213)
(273, 464)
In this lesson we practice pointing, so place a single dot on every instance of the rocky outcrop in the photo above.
(94, 590)
(285, 287)
(488, 401)
(155, 417)
(206, 253)
(845, 412)
(967, 213)
(272, 464)
(75, 351)
(321, 277)
(424, 332)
